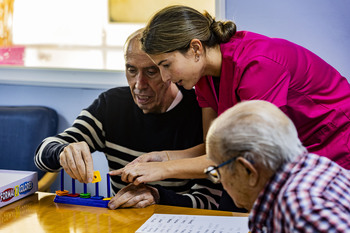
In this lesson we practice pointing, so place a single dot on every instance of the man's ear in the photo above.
(250, 172)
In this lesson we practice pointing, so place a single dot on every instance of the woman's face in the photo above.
(183, 69)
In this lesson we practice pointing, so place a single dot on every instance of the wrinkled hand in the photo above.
(139, 173)
(138, 196)
(77, 162)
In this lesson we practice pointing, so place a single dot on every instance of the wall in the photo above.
(320, 26)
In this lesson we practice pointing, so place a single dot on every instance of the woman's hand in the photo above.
(141, 173)
(190, 168)
(156, 156)
(146, 168)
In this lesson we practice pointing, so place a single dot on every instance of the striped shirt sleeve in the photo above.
(202, 194)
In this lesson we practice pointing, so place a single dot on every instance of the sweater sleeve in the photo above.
(48, 154)
(86, 127)
(203, 195)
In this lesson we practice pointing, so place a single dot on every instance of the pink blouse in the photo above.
(310, 91)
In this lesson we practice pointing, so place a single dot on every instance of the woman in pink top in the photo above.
(310, 91)
(226, 67)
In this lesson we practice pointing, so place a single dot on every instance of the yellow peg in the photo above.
(97, 177)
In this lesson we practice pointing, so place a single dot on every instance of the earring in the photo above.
(196, 57)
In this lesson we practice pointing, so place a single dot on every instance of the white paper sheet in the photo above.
(171, 223)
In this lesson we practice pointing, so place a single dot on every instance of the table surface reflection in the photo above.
(38, 213)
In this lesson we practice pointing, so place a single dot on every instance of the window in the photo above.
(82, 34)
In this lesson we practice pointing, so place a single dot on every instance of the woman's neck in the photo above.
(213, 61)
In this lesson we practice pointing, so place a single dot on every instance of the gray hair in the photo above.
(256, 130)
(133, 36)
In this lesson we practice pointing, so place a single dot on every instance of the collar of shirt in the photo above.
(176, 101)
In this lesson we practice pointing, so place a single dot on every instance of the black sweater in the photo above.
(116, 126)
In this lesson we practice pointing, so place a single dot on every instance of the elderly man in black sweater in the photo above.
(126, 122)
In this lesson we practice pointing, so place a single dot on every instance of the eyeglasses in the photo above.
(213, 171)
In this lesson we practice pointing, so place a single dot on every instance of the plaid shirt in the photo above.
(311, 194)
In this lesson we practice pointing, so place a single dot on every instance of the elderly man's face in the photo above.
(235, 183)
(146, 85)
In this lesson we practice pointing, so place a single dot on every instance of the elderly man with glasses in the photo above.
(265, 169)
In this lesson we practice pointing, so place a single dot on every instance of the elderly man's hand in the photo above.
(140, 173)
(77, 162)
(138, 196)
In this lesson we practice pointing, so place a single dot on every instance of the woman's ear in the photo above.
(250, 173)
(196, 47)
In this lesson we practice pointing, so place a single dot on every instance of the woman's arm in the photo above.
(189, 168)
(181, 164)
(208, 115)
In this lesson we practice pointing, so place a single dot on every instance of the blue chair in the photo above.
(22, 128)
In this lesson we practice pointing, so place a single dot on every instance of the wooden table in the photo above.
(38, 213)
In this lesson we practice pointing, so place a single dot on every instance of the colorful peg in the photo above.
(62, 192)
(108, 189)
(73, 194)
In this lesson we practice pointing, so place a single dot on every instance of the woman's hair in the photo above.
(173, 28)
(256, 130)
